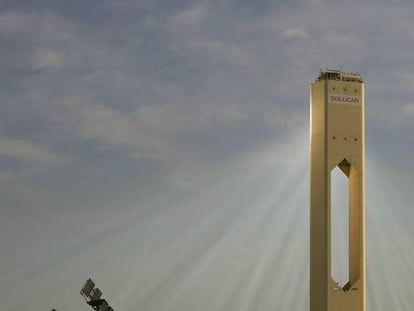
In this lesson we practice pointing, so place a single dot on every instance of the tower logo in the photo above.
(344, 99)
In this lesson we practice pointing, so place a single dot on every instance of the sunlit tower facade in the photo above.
(337, 140)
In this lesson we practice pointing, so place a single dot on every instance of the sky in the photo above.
(162, 149)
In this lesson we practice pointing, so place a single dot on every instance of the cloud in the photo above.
(295, 33)
(48, 58)
(137, 133)
(409, 109)
(407, 80)
(29, 152)
(191, 17)
(199, 70)
(15, 22)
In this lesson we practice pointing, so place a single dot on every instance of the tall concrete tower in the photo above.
(337, 140)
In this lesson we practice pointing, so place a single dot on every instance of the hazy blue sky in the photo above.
(161, 148)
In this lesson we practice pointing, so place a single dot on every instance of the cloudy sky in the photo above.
(161, 148)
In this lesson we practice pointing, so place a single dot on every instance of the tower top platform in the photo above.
(338, 75)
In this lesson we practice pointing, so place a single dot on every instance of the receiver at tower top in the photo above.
(338, 75)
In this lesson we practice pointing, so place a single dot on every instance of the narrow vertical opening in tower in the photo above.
(340, 223)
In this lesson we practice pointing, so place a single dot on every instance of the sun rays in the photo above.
(240, 242)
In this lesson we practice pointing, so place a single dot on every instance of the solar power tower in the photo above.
(337, 140)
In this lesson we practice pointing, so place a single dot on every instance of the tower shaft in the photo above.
(337, 140)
